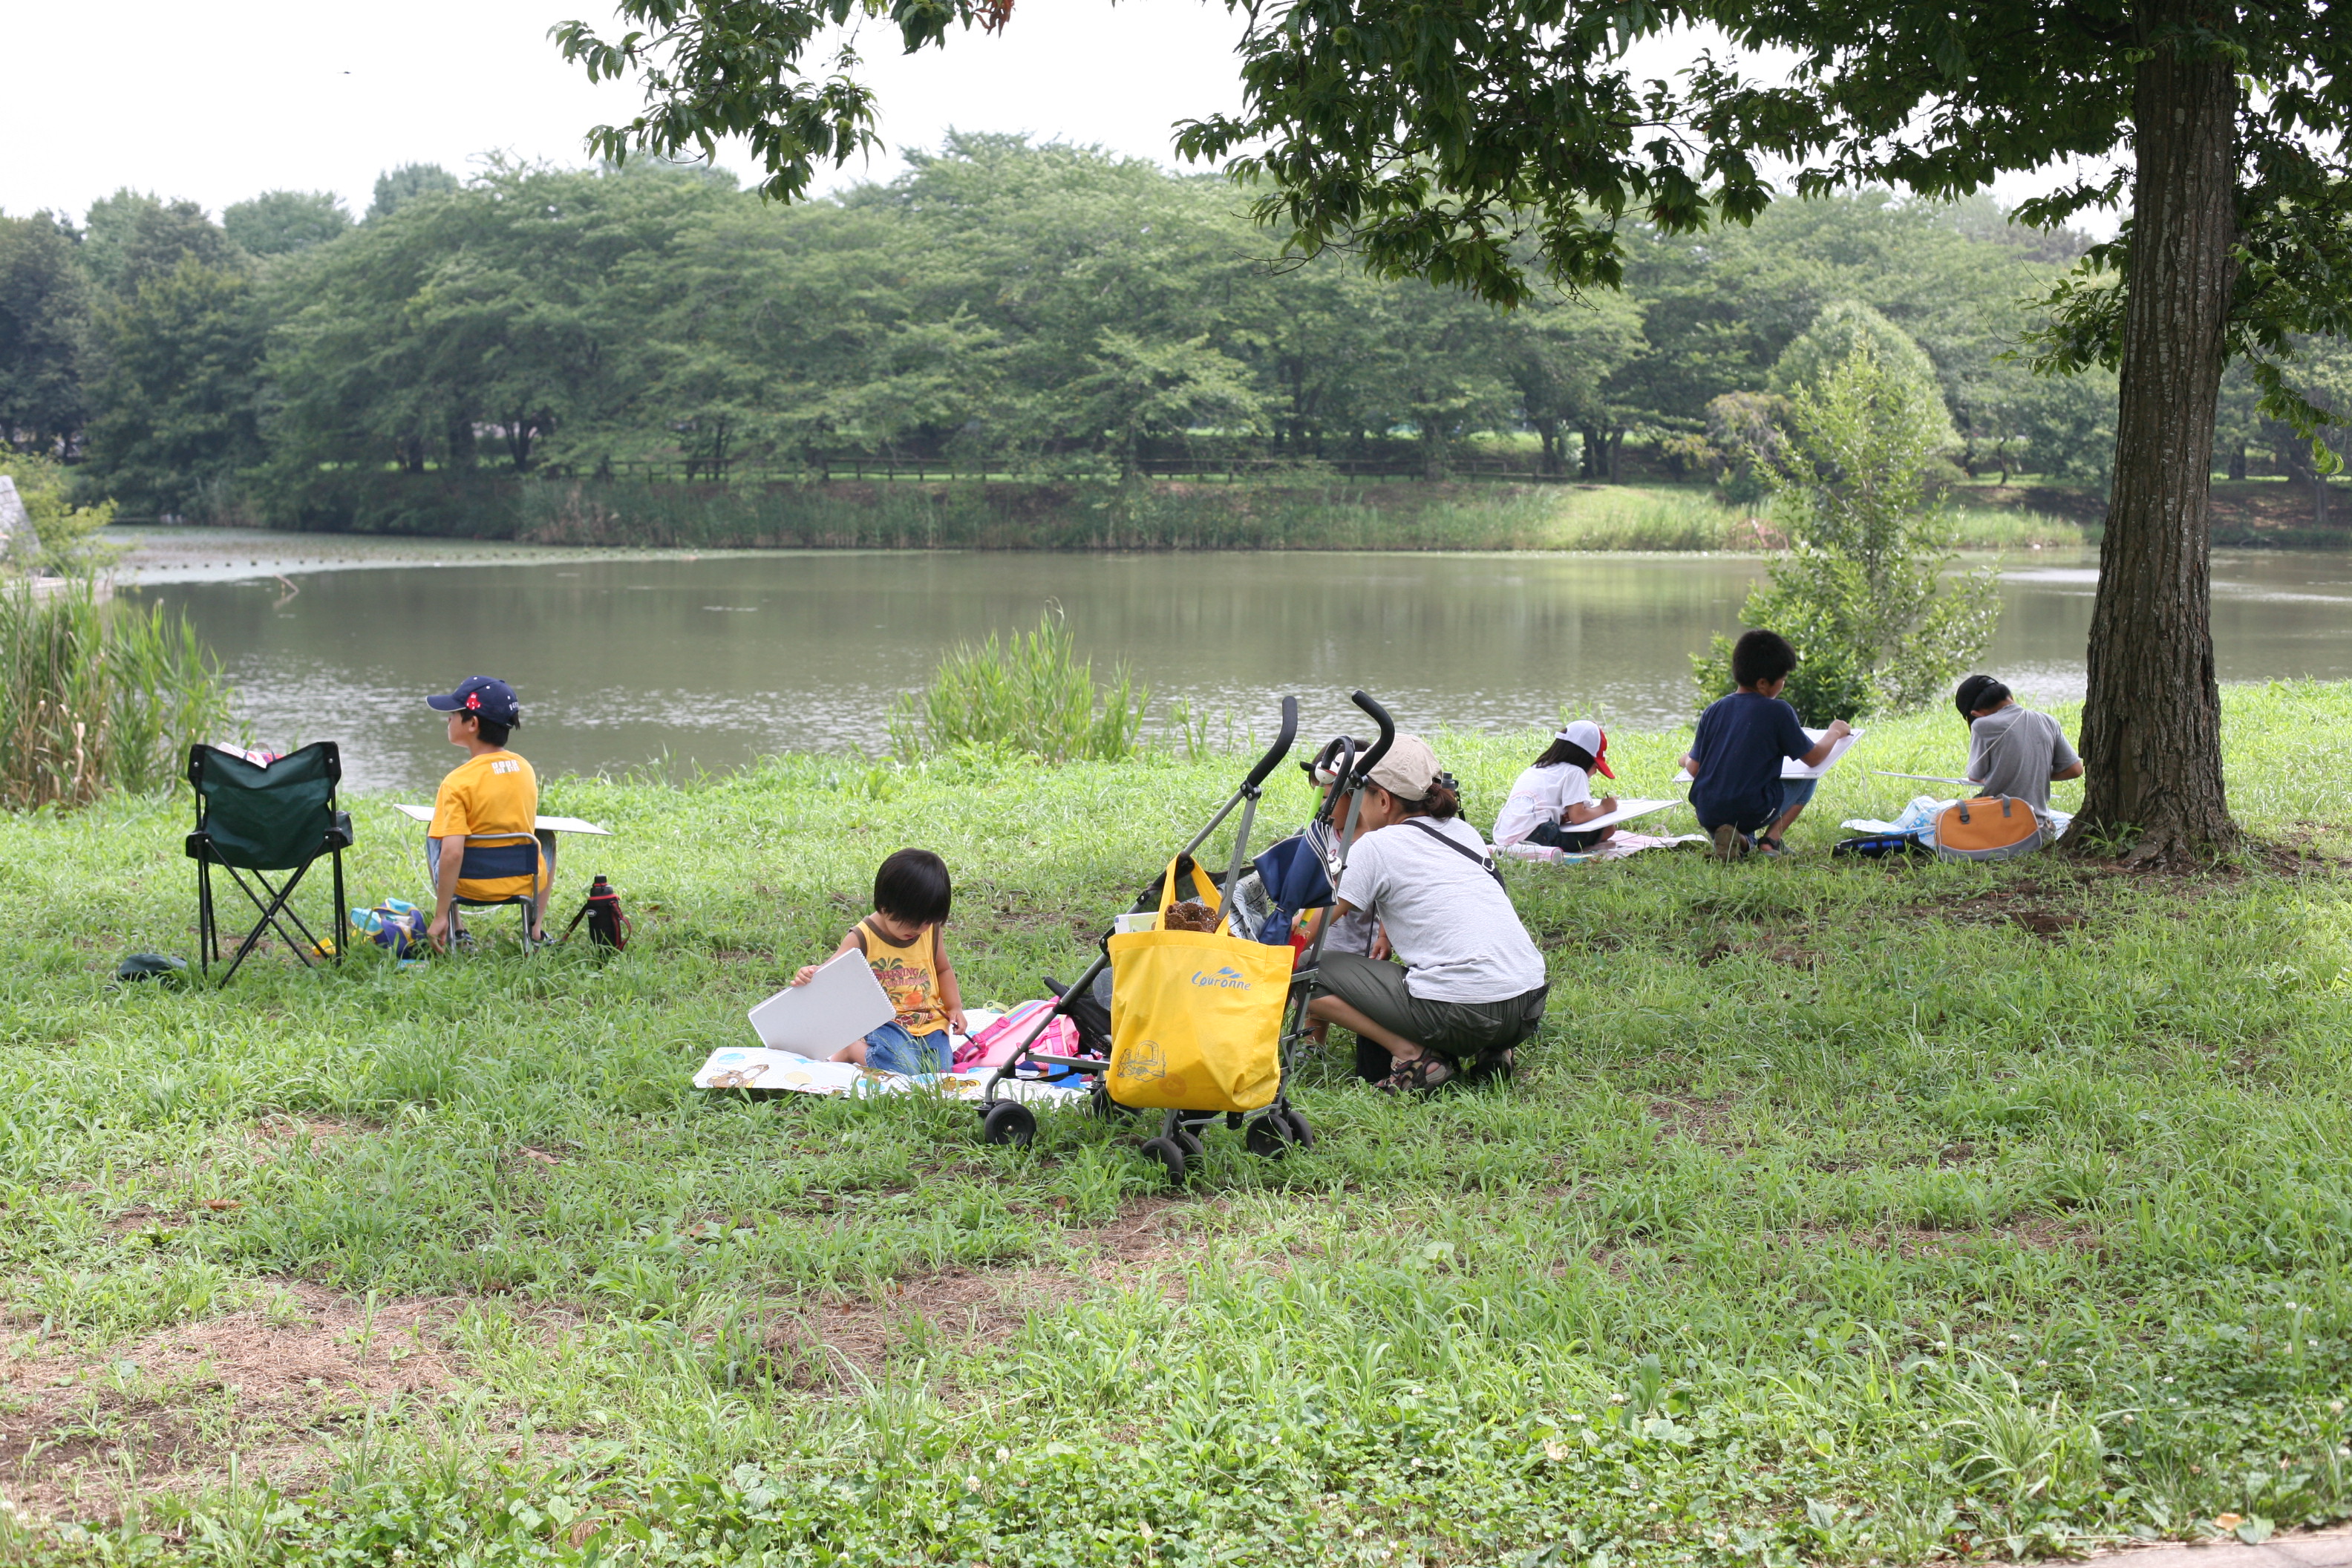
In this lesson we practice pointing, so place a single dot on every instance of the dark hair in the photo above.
(913, 886)
(1760, 657)
(1979, 692)
(489, 733)
(1560, 751)
(1440, 802)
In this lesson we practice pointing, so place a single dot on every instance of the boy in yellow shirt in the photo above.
(492, 791)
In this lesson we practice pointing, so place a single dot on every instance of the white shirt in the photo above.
(1452, 923)
(1542, 795)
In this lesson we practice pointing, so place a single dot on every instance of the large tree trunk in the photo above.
(2152, 717)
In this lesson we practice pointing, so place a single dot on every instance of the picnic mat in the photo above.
(758, 1070)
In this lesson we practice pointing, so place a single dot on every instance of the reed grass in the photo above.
(1030, 693)
(96, 696)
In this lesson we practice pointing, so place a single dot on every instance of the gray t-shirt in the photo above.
(1452, 923)
(2013, 751)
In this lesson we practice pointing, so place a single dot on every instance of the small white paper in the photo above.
(841, 1003)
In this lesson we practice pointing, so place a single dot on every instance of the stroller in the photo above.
(1291, 877)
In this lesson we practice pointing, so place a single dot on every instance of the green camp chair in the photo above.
(254, 820)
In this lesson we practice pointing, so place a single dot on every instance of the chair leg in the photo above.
(336, 917)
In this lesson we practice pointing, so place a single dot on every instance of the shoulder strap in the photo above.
(858, 931)
(1478, 860)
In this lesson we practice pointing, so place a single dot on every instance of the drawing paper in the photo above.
(544, 825)
(841, 1003)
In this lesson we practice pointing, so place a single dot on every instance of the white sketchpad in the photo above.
(841, 1003)
(1793, 769)
(1627, 810)
(543, 824)
(752, 1068)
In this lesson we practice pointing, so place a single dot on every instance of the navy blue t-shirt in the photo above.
(1741, 741)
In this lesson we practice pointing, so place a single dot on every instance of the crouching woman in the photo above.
(1470, 984)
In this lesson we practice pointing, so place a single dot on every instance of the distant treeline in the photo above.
(1001, 308)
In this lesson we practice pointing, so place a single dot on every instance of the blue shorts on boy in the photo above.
(1741, 742)
(891, 1048)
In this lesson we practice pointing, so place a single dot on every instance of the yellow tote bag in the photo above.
(1195, 1017)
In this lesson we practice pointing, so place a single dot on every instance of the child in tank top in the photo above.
(901, 941)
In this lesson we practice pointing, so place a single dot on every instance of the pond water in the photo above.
(711, 661)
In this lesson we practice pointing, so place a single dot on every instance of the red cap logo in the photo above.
(474, 700)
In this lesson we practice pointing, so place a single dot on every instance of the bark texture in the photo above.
(2152, 716)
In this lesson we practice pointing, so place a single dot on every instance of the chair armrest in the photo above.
(200, 844)
(339, 832)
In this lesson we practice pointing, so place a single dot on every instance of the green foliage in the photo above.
(1846, 328)
(44, 321)
(1030, 694)
(96, 696)
(178, 400)
(395, 188)
(1865, 594)
(277, 223)
(1838, 1215)
(66, 541)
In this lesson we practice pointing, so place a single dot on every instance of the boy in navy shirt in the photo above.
(1735, 759)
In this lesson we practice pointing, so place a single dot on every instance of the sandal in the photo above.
(1419, 1076)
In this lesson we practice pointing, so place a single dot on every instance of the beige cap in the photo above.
(1409, 769)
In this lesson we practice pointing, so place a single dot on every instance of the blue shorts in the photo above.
(1794, 792)
(891, 1048)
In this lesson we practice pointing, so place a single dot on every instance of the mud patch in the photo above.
(79, 1432)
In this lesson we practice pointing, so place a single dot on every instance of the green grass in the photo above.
(1841, 1213)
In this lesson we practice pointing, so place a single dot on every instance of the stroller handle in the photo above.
(1380, 715)
(1281, 747)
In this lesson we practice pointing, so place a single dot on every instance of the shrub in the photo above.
(1031, 693)
(96, 696)
(1863, 593)
(65, 539)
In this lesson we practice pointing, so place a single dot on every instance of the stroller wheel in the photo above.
(1300, 1132)
(1008, 1121)
(1103, 1106)
(1268, 1137)
(1185, 1140)
(1171, 1158)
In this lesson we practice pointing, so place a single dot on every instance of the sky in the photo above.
(217, 101)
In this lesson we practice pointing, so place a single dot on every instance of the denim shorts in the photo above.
(891, 1048)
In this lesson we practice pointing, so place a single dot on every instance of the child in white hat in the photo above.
(1556, 793)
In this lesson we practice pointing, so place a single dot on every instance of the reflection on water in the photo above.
(715, 660)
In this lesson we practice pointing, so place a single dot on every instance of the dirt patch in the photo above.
(1705, 1119)
(1910, 1242)
(2026, 908)
(270, 1384)
(1778, 949)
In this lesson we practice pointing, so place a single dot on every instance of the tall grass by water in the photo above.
(97, 696)
(1840, 1214)
(1030, 693)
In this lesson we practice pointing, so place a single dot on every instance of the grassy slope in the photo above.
(1841, 1213)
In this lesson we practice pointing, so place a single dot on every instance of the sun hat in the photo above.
(1593, 741)
(1324, 767)
(486, 697)
(1409, 769)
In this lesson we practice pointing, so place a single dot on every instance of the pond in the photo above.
(683, 661)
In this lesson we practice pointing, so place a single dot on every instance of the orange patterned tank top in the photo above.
(909, 977)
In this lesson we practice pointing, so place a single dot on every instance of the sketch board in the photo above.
(841, 1003)
(544, 825)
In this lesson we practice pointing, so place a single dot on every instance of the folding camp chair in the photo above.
(493, 856)
(255, 820)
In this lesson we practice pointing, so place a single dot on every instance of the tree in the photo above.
(176, 405)
(134, 237)
(1848, 328)
(395, 188)
(278, 222)
(43, 320)
(1865, 594)
(1434, 138)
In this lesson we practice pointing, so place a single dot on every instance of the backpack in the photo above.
(1989, 828)
(1881, 846)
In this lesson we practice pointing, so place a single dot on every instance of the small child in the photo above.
(1735, 758)
(901, 941)
(1556, 793)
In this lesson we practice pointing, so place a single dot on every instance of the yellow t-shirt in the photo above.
(494, 793)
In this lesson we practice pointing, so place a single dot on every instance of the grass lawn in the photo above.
(1839, 1212)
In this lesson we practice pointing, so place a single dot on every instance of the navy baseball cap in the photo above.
(486, 696)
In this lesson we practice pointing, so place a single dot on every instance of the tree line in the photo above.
(999, 306)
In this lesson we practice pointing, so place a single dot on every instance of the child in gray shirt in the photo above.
(2013, 751)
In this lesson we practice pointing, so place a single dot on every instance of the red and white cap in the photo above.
(1593, 740)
